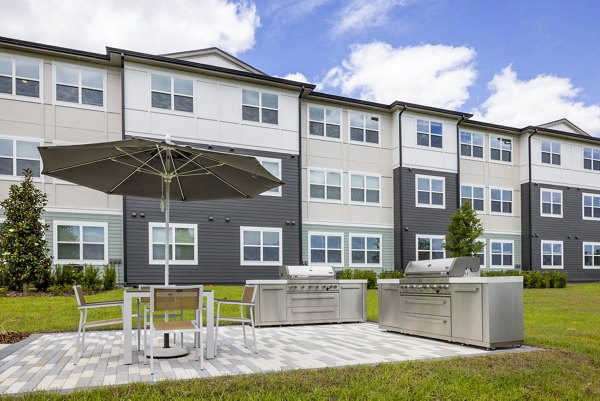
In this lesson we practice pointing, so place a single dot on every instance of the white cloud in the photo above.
(296, 76)
(288, 10)
(434, 75)
(153, 26)
(536, 101)
(362, 14)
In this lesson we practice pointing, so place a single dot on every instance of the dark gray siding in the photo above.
(218, 240)
(572, 229)
(421, 220)
(525, 234)
(397, 222)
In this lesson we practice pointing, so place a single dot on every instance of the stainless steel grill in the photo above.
(307, 279)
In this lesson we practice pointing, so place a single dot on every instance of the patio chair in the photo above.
(168, 298)
(84, 324)
(247, 301)
(145, 303)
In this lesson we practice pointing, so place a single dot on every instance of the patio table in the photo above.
(132, 293)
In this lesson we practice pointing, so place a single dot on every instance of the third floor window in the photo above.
(324, 122)
(551, 152)
(471, 145)
(19, 77)
(260, 107)
(501, 149)
(429, 133)
(591, 159)
(364, 128)
(80, 85)
(172, 93)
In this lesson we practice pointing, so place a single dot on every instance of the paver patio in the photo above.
(45, 362)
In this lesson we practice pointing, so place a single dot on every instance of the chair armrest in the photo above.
(101, 304)
(235, 303)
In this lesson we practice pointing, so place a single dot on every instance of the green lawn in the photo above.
(564, 321)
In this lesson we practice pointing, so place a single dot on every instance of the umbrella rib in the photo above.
(139, 168)
(90, 162)
(177, 177)
(221, 179)
(138, 160)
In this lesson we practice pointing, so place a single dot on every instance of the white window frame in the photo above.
(277, 190)
(471, 145)
(14, 77)
(325, 122)
(592, 159)
(81, 224)
(551, 153)
(364, 128)
(472, 198)
(326, 249)
(429, 134)
(502, 242)
(512, 201)
(261, 262)
(583, 216)
(430, 205)
(172, 227)
(325, 171)
(173, 94)
(260, 107)
(15, 176)
(483, 251)
(430, 238)
(364, 175)
(562, 255)
(552, 192)
(512, 148)
(365, 236)
(593, 266)
(79, 68)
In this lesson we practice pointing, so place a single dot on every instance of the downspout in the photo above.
(462, 118)
(301, 245)
(401, 209)
(124, 215)
(529, 200)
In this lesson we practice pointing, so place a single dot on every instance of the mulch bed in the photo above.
(11, 337)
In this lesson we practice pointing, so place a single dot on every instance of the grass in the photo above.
(564, 321)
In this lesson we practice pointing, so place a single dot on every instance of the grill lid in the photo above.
(306, 272)
(449, 267)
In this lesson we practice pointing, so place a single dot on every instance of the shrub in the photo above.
(67, 275)
(90, 280)
(109, 277)
(60, 289)
(360, 274)
(534, 279)
(3, 292)
(391, 274)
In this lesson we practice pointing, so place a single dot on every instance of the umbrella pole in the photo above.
(167, 182)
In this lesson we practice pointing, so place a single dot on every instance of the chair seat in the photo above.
(174, 325)
(107, 322)
(236, 319)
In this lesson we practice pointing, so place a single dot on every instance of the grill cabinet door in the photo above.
(271, 304)
(467, 312)
(389, 305)
(352, 302)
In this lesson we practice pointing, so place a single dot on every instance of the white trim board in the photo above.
(346, 224)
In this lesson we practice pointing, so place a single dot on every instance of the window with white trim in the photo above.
(591, 159)
(183, 243)
(325, 185)
(80, 242)
(430, 247)
(591, 255)
(552, 254)
(19, 77)
(326, 248)
(471, 144)
(260, 246)
(501, 253)
(474, 194)
(501, 149)
(16, 155)
(273, 166)
(364, 188)
(481, 254)
(172, 93)
(429, 133)
(364, 128)
(79, 85)
(591, 207)
(260, 107)
(430, 191)
(324, 122)
(365, 250)
(550, 152)
(551, 202)
(501, 200)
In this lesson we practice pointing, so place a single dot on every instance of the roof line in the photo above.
(207, 49)
(58, 49)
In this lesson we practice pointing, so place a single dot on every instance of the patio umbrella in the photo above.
(161, 170)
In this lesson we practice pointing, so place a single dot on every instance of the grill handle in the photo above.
(427, 319)
(474, 289)
(425, 301)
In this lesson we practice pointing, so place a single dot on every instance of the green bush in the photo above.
(3, 291)
(68, 275)
(391, 274)
(360, 274)
(109, 277)
(534, 279)
(60, 289)
(90, 280)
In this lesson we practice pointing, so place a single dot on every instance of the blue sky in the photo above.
(512, 62)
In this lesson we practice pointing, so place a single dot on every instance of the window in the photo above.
(325, 248)
(591, 255)
(430, 247)
(324, 122)
(501, 149)
(365, 250)
(474, 194)
(80, 242)
(550, 152)
(429, 133)
(183, 243)
(430, 191)
(501, 200)
(482, 253)
(591, 159)
(551, 203)
(260, 246)
(502, 254)
(19, 77)
(552, 255)
(364, 188)
(273, 166)
(471, 145)
(17, 155)
(325, 185)
(260, 107)
(172, 93)
(591, 207)
(364, 128)
(79, 85)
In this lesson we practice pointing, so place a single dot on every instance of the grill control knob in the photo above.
(302, 286)
(426, 286)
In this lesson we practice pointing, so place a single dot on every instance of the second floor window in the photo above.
(17, 155)
(501, 200)
(326, 185)
(429, 133)
(19, 77)
(273, 166)
(430, 191)
(364, 188)
(551, 202)
(471, 145)
(501, 149)
(591, 159)
(80, 86)
(591, 207)
(172, 93)
(551, 152)
(473, 194)
(260, 107)
(364, 128)
(324, 122)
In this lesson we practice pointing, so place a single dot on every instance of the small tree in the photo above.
(463, 231)
(25, 257)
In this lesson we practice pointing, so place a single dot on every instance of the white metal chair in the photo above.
(169, 298)
(83, 316)
(247, 302)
